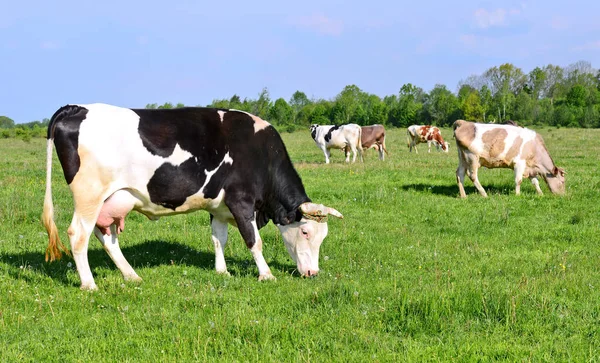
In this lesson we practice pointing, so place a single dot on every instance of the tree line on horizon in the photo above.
(550, 95)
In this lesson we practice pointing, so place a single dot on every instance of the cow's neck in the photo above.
(282, 195)
(545, 164)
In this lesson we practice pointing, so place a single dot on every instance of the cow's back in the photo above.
(495, 145)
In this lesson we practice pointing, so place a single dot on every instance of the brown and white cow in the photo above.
(504, 146)
(164, 162)
(374, 137)
(416, 134)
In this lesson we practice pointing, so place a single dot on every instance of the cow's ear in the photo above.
(557, 171)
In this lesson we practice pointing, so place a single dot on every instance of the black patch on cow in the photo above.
(313, 132)
(171, 185)
(328, 134)
(64, 129)
(198, 131)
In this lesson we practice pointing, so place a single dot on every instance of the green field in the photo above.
(412, 273)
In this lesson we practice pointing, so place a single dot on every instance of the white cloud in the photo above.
(319, 23)
(485, 19)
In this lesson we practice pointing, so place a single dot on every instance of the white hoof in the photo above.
(265, 277)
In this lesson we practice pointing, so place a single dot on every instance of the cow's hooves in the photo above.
(224, 272)
(132, 278)
(266, 277)
(89, 287)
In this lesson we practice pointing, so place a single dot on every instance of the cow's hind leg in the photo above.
(519, 169)
(472, 172)
(219, 238)
(111, 246)
(460, 175)
(79, 233)
(354, 153)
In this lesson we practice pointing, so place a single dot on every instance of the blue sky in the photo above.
(131, 53)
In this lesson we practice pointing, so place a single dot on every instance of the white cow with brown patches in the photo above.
(416, 134)
(504, 146)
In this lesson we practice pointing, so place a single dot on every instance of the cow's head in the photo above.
(556, 180)
(313, 131)
(303, 238)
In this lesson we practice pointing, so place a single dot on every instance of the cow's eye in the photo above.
(304, 232)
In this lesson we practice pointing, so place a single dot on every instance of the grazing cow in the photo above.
(504, 146)
(417, 134)
(164, 162)
(345, 137)
(374, 137)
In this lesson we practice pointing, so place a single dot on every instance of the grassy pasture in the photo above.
(412, 273)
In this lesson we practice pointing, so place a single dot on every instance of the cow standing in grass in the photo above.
(416, 134)
(373, 136)
(164, 162)
(345, 137)
(504, 146)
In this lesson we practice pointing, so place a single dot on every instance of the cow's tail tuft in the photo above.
(55, 246)
(359, 144)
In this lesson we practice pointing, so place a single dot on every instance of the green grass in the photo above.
(412, 273)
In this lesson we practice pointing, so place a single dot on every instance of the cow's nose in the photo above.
(312, 273)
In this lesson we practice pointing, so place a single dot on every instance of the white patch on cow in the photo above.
(477, 144)
(221, 114)
(259, 123)
(179, 156)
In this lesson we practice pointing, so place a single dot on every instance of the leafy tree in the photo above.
(442, 105)
(262, 105)
(577, 96)
(6, 122)
(485, 96)
(346, 104)
(281, 113)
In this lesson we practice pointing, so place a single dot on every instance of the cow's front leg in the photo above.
(327, 154)
(519, 169)
(243, 212)
(219, 238)
(536, 184)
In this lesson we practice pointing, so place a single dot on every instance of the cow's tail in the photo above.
(55, 246)
(408, 137)
(383, 145)
(359, 144)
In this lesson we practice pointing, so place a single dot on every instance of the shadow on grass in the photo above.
(452, 190)
(148, 254)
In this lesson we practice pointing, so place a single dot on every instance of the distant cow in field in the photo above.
(417, 134)
(171, 161)
(504, 146)
(374, 137)
(345, 137)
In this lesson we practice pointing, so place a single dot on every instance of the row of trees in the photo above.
(549, 95)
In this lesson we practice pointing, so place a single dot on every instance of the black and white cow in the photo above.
(163, 162)
(345, 137)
